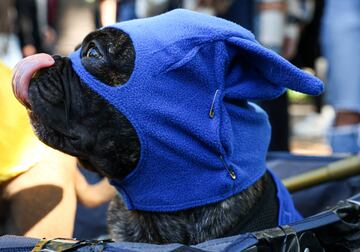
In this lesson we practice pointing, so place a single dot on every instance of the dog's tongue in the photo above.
(23, 72)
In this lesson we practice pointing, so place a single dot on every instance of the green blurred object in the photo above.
(334, 171)
(296, 97)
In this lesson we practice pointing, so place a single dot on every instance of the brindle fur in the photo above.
(69, 116)
(187, 227)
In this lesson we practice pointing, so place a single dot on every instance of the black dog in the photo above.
(69, 116)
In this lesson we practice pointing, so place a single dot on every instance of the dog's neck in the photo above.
(196, 225)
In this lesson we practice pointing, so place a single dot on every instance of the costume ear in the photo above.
(258, 73)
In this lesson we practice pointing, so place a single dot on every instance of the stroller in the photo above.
(324, 228)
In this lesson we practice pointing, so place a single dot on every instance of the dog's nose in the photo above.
(23, 72)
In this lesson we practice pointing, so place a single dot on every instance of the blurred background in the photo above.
(292, 28)
(318, 36)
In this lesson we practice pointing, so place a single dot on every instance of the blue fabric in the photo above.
(287, 210)
(229, 244)
(12, 243)
(344, 139)
(125, 10)
(187, 63)
(242, 242)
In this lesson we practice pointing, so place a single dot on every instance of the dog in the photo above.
(72, 117)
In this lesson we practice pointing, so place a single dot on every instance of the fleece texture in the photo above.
(187, 98)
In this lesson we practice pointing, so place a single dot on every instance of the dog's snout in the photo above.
(49, 84)
(47, 88)
(23, 73)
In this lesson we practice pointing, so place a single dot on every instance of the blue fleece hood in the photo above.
(187, 98)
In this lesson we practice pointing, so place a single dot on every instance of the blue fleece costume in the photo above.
(201, 140)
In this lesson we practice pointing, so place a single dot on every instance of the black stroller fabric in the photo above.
(12, 243)
(335, 229)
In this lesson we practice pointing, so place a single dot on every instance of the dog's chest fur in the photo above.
(238, 214)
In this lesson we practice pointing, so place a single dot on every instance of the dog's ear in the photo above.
(257, 73)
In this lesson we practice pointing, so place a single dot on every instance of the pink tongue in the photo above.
(23, 72)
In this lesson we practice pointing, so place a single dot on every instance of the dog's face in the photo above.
(67, 115)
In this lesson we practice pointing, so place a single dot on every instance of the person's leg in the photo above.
(341, 33)
(42, 201)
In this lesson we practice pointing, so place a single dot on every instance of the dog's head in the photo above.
(67, 115)
(160, 106)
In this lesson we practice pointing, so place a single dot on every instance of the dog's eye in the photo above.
(93, 52)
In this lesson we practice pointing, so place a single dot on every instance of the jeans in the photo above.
(126, 10)
(341, 47)
(345, 139)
